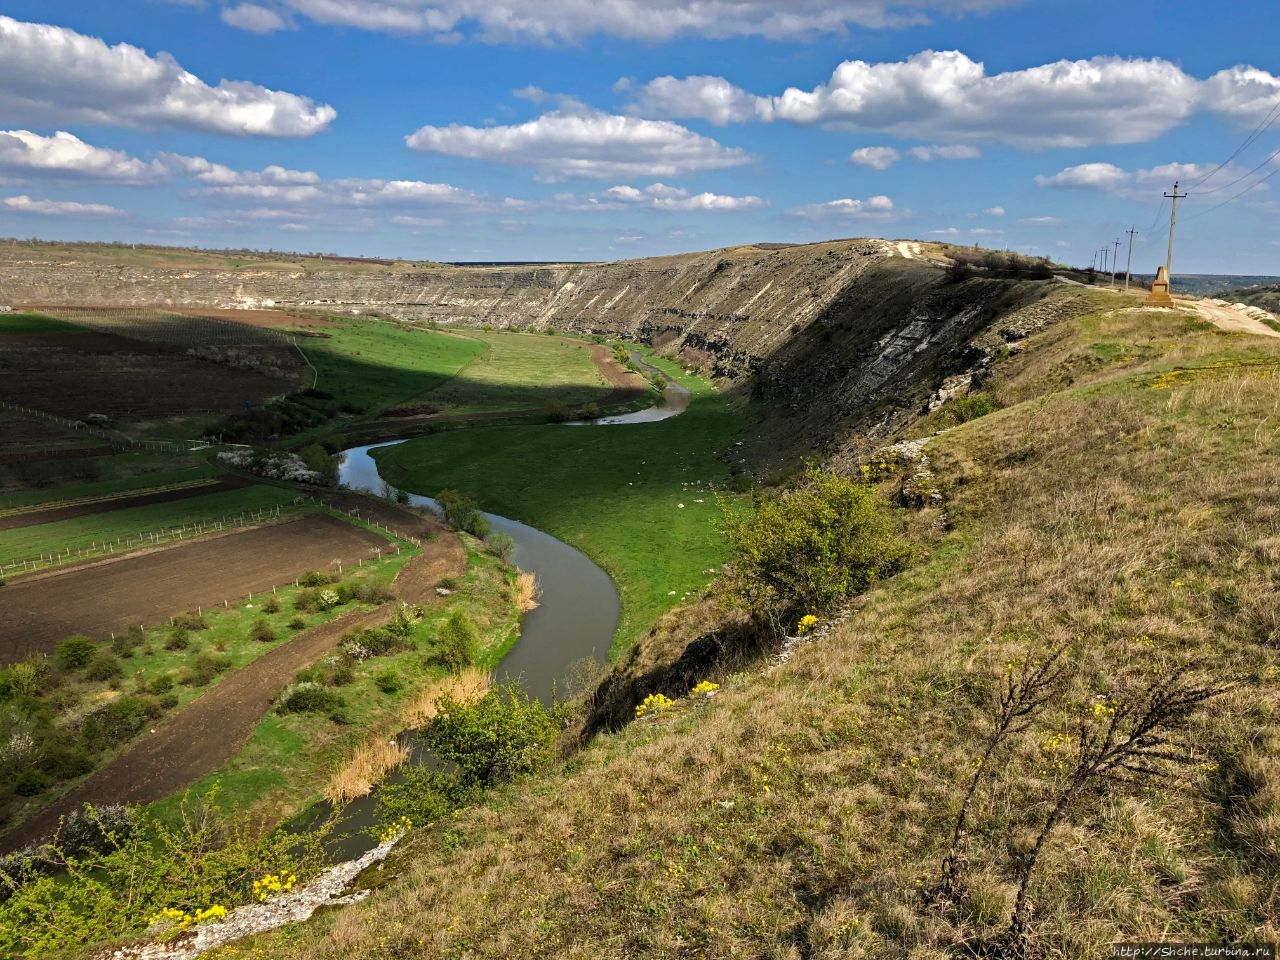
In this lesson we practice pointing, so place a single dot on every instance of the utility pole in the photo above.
(1173, 222)
(1128, 269)
(1115, 262)
(1104, 251)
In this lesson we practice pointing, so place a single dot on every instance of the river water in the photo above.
(578, 603)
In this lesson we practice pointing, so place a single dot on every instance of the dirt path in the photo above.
(123, 502)
(1229, 317)
(196, 741)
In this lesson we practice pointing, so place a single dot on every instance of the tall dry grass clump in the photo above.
(527, 591)
(382, 753)
(372, 761)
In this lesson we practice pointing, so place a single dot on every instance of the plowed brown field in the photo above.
(150, 588)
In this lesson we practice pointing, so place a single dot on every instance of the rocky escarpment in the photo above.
(849, 334)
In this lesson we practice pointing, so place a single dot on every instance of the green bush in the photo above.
(457, 646)
(971, 407)
(192, 622)
(74, 652)
(822, 541)
(123, 644)
(271, 605)
(311, 697)
(31, 782)
(298, 623)
(501, 544)
(502, 735)
(463, 513)
(389, 681)
(178, 639)
(314, 578)
(161, 684)
(103, 667)
(262, 632)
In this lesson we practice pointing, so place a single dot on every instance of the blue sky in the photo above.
(605, 129)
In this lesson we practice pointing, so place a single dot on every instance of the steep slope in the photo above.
(1123, 504)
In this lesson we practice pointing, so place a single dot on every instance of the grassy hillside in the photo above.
(1123, 503)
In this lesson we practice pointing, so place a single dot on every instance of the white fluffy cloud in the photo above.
(710, 98)
(1148, 184)
(946, 95)
(66, 155)
(58, 208)
(254, 19)
(994, 211)
(873, 208)
(584, 144)
(547, 21)
(877, 158)
(660, 196)
(51, 74)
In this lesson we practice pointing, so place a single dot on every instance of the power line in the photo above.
(1258, 131)
(1248, 189)
(1245, 176)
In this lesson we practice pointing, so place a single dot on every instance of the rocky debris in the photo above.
(1034, 317)
(327, 890)
(951, 388)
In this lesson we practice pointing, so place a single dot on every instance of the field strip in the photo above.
(59, 505)
(150, 587)
(200, 738)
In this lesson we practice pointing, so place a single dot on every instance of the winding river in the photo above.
(579, 606)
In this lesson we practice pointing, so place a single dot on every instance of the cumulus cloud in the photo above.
(660, 196)
(540, 21)
(66, 155)
(1151, 182)
(591, 144)
(946, 95)
(51, 74)
(994, 211)
(58, 208)
(957, 151)
(254, 19)
(877, 158)
(710, 98)
(873, 208)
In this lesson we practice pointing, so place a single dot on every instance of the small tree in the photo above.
(457, 646)
(463, 513)
(818, 543)
(74, 652)
(502, 735)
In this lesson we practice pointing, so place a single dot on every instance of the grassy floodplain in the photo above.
(35, 323)
(638, 499)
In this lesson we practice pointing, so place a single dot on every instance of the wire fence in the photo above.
(170, 535)
(118, 441)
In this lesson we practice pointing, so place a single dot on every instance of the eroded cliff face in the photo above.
(837, 336)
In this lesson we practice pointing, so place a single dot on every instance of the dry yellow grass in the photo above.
(526, 591)
(799, 812)
(382, 753)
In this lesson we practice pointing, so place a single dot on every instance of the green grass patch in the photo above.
(81, 533)
(124, 481)
(614, 492)
(372, 365)
(35, 323)
(520, 371)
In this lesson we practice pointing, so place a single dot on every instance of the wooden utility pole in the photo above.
(1173, 222)
(1115, 262)
(1128, 269)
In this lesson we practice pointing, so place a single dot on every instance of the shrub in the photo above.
(206, 667)
(177, 639)
(502, 735)
(297, 623)
(457, 645)
(463, 512)
(310, 697)
(74, 652)
(389, 681)
(271, 605)
(123, 644)
(314, 578)
(262, 632)
(103, 667)
(824, 540)
(421, 795)
(501, 544)
(30, 782)
(971, 407)
(192, 622)
(161, 685)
